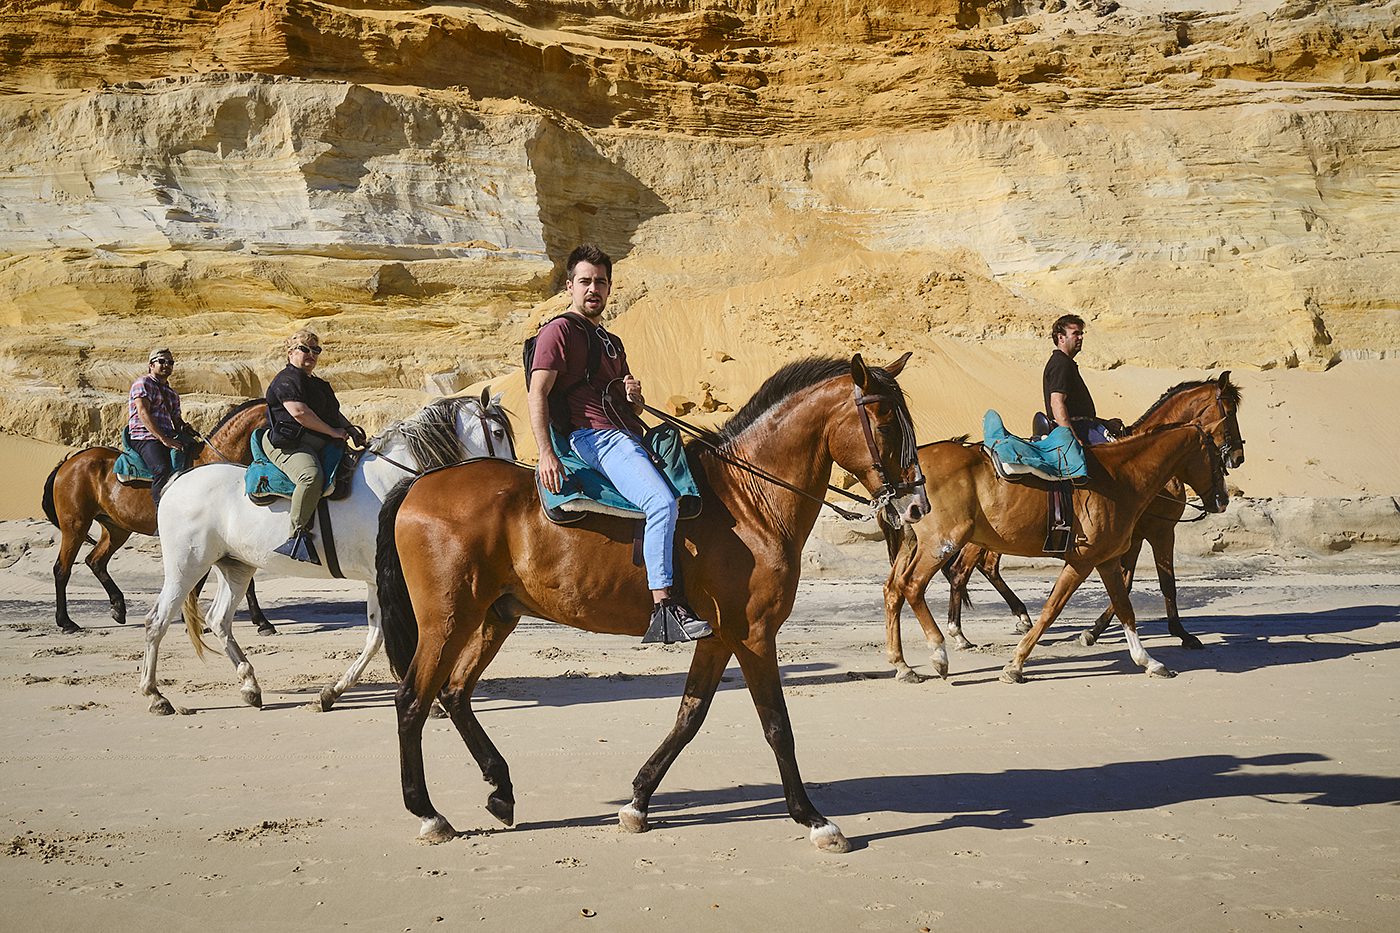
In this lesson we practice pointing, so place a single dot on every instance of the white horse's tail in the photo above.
(194, 622)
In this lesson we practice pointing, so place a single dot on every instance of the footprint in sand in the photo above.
(989, 885)
(1062, 840)
(967, 853)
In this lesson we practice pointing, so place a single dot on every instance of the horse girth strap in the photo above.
(323, 513)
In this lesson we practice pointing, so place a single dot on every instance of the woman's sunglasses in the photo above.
(314, 351)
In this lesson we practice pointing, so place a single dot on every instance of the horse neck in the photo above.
(792, 441)
(1193, 404)
(1146, 462)
(232, 438)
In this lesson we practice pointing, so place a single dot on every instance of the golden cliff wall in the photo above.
(1212, 189)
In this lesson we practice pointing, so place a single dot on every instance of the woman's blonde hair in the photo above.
(304, 336)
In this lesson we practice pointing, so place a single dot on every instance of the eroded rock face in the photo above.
(1208, 189)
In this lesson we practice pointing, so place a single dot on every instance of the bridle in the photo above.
(1232, 434)
(909, 452)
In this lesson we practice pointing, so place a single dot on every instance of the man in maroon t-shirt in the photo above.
(603, 425)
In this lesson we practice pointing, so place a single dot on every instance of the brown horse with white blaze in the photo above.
(82, 489)
(974, 506)
(1211, 403)
(469, 550)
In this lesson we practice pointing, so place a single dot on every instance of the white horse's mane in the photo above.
(431, 434)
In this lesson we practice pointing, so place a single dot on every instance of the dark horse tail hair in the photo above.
(50, 512)
(399, 623)
(894, 534)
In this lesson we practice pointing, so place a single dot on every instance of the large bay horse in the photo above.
(82, 489)
(974, 506)
(207, 521)
(1213, 403)
(469, 550)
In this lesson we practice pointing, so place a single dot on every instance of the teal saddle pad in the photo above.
(586, 490)
(131, 469)
(1055, 457)
(265, 481)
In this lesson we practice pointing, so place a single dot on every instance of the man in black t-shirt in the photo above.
(303, 417)
(1067, 399)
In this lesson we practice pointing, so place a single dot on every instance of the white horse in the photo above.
(207, 521)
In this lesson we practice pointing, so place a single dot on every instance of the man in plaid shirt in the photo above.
(153, 419)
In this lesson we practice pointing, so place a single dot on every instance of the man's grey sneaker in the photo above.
(673, 621)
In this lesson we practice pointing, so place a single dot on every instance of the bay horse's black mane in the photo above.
(793, 378)
(1229, 392)
(237, 409)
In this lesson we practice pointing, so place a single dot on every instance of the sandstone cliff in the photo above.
(1212, 187)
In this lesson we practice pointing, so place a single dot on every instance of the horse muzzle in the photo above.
(1219, 503)
(912, 507)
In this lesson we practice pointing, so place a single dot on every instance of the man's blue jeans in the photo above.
(619, 457)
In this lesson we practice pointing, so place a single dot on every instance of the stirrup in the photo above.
(299, 547)
(672, 621)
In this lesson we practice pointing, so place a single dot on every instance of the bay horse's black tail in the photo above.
(396, 610)
(50, 512)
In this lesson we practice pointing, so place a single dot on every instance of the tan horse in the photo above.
(974, 506)
(1213, 402)
(468, 550)
(83, 489)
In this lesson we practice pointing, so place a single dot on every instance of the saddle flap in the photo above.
(1055, 457)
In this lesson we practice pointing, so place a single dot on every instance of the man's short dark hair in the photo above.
(1062, 324)
(590, 254)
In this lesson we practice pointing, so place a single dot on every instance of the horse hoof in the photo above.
(1192, 642)
(119, 616)
(328, 698)
(436, 830)
(941, 670)
(828, 838)
(1087, 639)
(1010, 675)
(1160, 670)
(1023, 624)
(631, 820)
(69, 628)
(910, 676)
(962, 644)
(160, 706)
(266, 628)
(252, 696)
(437, 712)
(501, 809)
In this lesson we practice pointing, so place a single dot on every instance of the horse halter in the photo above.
(909, 453)
(1232, 434)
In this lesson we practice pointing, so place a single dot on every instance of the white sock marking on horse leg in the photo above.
(940, 660)
(1139, 654)
(631, 820)
(828, 838)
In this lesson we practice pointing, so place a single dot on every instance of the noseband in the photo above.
(909, 454)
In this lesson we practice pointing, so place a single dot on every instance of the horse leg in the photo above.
(894, 639)
(179, 580)
(1065, 585)
(990, 567)
(374, 640)
(233, 582)
(433, 662)
(760, 668)
(456, 698)
(1164, 553)
(1111, 573)
(71, 537)
(1092, 634)
(111, 539)
(958, 572)
(933, 635)
(255, 613)
(706, 668)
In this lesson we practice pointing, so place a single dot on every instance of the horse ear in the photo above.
(1223, 378)
(485, 398)
(859, 374)
(496, 399)
(897, 367)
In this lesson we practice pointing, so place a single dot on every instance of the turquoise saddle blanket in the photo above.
(265, 481)
(587, 490)
(131, 469)
(1055, 457)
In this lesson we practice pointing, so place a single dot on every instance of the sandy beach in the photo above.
(1255, 791)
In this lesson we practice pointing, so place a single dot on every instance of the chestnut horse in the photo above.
(83, 489)
(468, 550)
(1212, 402)
(974, 506)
